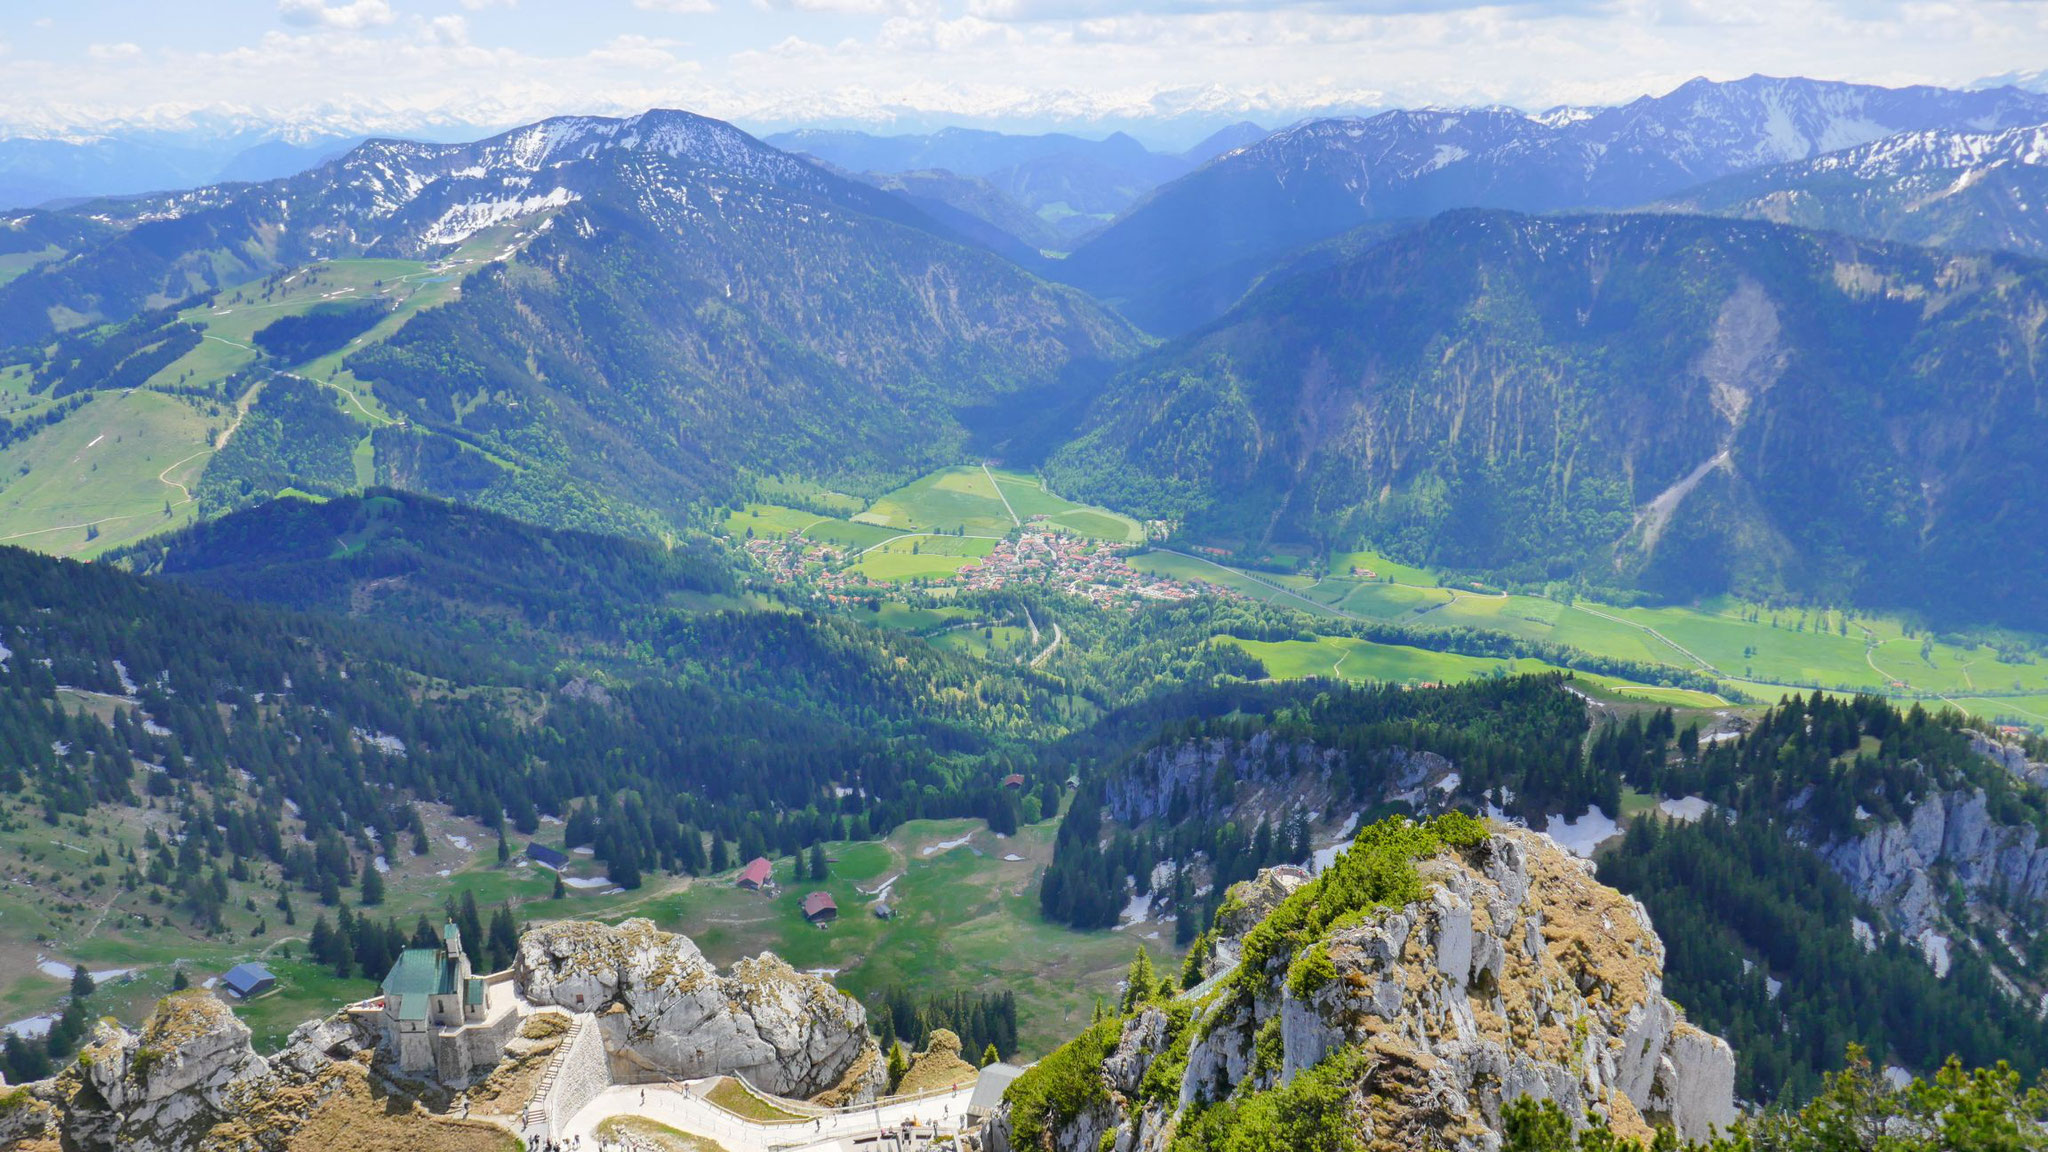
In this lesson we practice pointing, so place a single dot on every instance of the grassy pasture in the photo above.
(113, 465)
(914, 557)
(1346, 658)
(967, 920)
(958, 498)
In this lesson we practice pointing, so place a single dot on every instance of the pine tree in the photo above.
(561, 889)
(818, 862)
(371, 886)
(179, 981)
(81, 983)
(989, 1055)
(1139, 983)
(898, 1066)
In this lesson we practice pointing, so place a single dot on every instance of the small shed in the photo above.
(757, 873)
(883, 911)
(1014, 780)
(989, 1088)
(820, 908)
(247, 980)
(546, 857)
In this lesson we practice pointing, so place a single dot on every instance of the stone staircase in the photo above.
(536, 1114)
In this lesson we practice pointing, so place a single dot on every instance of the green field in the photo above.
(1029, 498)
(967, 920)
(1346, 658)
(1759, 650)
(915, 557)
(113, 466)
(951, 499)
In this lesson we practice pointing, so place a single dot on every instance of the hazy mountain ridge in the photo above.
(1224, 222)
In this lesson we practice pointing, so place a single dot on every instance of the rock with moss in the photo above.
(666, 1012)
(1398, 1001)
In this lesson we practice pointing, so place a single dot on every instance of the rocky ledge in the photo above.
(1514, 974)
(666, 1013)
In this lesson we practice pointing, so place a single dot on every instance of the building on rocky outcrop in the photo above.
(1515, 974)
(439, 1016)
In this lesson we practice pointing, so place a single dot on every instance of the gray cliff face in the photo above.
(1949, 842)
(1516, 974)
(666, 1012)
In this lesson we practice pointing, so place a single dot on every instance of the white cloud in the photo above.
(450, 30)
(480, 5)
(353, 16)
(121, 51)
(855, 7)
(686, 7)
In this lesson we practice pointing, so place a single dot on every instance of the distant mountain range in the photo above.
(1068, 185)
(36, 171)
(1196, 244)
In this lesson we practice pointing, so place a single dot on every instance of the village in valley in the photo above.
(1036, 555)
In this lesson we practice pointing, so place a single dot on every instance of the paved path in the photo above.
(847, 1131)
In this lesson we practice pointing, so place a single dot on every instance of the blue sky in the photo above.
(1162, 67)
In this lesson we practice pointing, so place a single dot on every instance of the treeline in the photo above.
(1760, 930)
(323, 329)
(355, 944)
(775, 731)
(1513, 742)
(294, 436)
(981, 1020)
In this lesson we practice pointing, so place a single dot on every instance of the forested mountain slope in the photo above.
(671, 303)
(1682, 404)
(1223, 225)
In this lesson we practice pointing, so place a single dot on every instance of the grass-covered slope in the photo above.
(1685, 404)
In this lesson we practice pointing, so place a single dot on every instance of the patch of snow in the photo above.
(382, 741)
(35, 1027)
(1581, 836)
(1012, 858)
(612, 892)
(1862, 813)
(944, 846)
(584, 850)
(462, 221)
(1773, 986)
(1449, 783)
(1934, 946)
(822, 973)
(1896, 1076)
(1137, 911)
(381, 864)
(551, 820)
(107, 974)
(461, 842)
(209, 982)
(1322, 858)
(587, 881)
(1687, 810)
(1861, 930)
(444, 873)
(52, 968)
(5, 652)
(153, 728)
(128, 686)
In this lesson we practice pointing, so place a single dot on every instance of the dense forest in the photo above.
(1183, 797)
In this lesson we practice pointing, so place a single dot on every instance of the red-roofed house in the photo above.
(757, 874)
(820, 908)
(1013, 780)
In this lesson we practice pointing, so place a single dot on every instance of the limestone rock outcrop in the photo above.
(167, 1088)
(1516, 973)
(665, 1012)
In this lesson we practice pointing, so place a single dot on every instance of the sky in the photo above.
(1166, 69)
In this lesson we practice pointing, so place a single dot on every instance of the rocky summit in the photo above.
(1514, 974)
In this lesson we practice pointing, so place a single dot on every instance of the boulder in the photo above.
(163, 1089)
(665, 1012)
